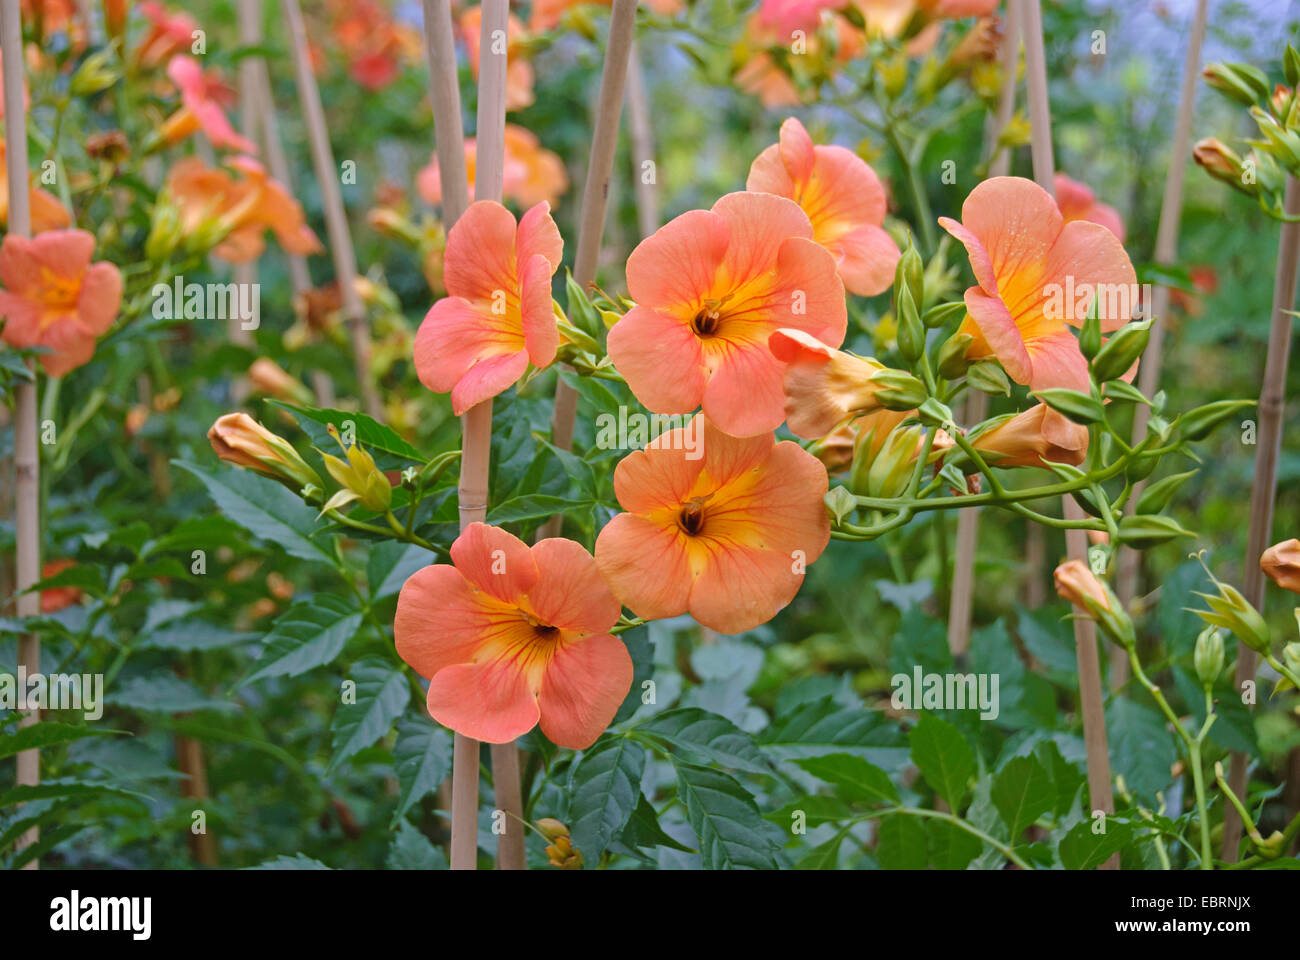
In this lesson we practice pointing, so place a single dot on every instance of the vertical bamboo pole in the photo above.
(977, 403)
(278, 163)
(1263, 494)
(26, 454)
(336, 219)
(1166, 251)
(250, 34)
(595, 196)
(489, 180)
(476, 424)
(1085, 631)
(641, 138)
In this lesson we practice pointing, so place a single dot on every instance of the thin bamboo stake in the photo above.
(641, 136)
(489, 181)
(250, 34)
(336, 218)
(977, 404)
(1263, 494)
(476, 423)
(278, 163)
(1085, 631)
(595, 196)
(27, 502)
(1166, 251)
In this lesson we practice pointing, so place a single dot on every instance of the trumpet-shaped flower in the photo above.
(823, 386)
(54, 297)
(497, 317)
(204, 99)
(725, 535)
(1036, 275)
(1078, 202)
(711, 287)
(1027, 439)
(510, 635)
(44, 208)
(519, 72)
(1281, 564)
(843, 199)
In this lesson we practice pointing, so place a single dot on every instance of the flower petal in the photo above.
(868, 257)
(487, 701)
(758, 224)
(663, 474)
(442, 620)
(1092, 258)
(996, 325)
(495, 561)
(540, 333)
(679, 262)
(646, 566)
(585, 684)
(480, 257)
(538, 235)
(570, 592)
(744, 397)
(660, 358)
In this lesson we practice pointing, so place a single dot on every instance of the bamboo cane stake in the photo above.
(595, 196)
(249, 14)
(1085, 631)
(641, 137)
(1263, 494)
(1166, 252)
(336, 219)
(476, 423)
(26, 454)
(977, 404)
(278, 163)
(489, 180)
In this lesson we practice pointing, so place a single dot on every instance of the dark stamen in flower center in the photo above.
(543, 631)
(706, 322)
(691, 519)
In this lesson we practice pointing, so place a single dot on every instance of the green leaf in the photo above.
(1081, 849)
(533, 506)
(1022, 792)
(61, 788)
(725, 819)
(824, 726)
(48, 841)
(643, 828)
(299, 861)
(901, 843)
(46, 734)
(1141, 747)
(854, 778)
(707, 734)
(306, 636)
(265, 509)
(824, 856)
(165, 693)
(951, 847)
(382, 693)
(411, 850)
(370, 433)
(811, 811)
(604, 788)
(390, 564)
(421, 760)
(944, 758)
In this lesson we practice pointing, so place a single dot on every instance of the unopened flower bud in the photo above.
(239, 439)
(1208, 658)
(898, 390)
(1078, 584)
(1281, 564)
(360, 479)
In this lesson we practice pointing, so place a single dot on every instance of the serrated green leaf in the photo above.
(725, 819)
(643, 828)
(411, 850)
(306, 636)
(370, 434)
(855, 779)
(382, 693)
(421, 760)
(1081, 849)
(46, 734)
(604, 788)
(944, 758)
(951, 847)
(707, 734)
(1022, 791)
(901, 843)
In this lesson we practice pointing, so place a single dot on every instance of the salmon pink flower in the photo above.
(54, 297)
(843, 198)
(54, 599)
(786, 16)
(823, 386)
(509, 636)
(533, 174)
(1035, 274)
(1027, 439)
(1077, 202)
(724, 533)
(204, 99)
(711, 286)
(497, 317)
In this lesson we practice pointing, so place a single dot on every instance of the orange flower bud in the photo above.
(1281, 564)
(1076, 583)
(239, 439)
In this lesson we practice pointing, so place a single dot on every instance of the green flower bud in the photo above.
(987, 376)
(1197, 424)
(942, 314)
(1079, 407)
(1121, 351)
(952, 360)
(1157, 496)
(898, 390)
(1208, 658)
